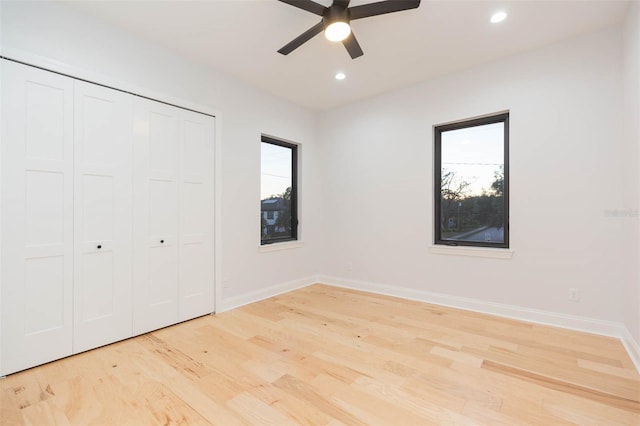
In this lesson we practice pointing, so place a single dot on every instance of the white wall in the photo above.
(59, 37)
(567, 174)
(631, 99)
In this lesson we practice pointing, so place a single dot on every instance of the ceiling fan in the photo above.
(336, 18)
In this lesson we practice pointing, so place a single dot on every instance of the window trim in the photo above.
(294, 191)
(502, 117)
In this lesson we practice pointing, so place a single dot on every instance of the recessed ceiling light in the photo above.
(340, 76)
(498, 17)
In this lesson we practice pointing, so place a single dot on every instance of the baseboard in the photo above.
(264, 293)
(589, 325)
(632, 347)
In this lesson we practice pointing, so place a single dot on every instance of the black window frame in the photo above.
(294, 192)
(437, 137)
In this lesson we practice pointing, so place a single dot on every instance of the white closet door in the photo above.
(156, 207)
(37, 217)
(103, 216)
(196, 216)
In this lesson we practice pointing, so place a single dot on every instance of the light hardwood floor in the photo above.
(323, 355)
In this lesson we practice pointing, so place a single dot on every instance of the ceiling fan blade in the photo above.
(308, 5)
(353, 47)
(302, 38)
(381, 7)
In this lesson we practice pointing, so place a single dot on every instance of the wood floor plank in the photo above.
(305, 391)
(10, 408)
(322, 355)
(613, 400)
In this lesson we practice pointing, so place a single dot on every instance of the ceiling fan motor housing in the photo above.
(335, 13)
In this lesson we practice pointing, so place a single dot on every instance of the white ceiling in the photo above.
(241, 38)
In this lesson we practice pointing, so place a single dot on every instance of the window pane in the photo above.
(472, 185)
(276, 170)
(277, 216)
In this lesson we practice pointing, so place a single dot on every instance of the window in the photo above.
(472, 182)
(278, 188)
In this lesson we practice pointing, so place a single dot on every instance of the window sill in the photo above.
(494, 253)
(288, 245)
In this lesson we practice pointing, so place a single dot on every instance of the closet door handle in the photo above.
(99, 246)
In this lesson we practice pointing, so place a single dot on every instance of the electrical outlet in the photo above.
(574, 294)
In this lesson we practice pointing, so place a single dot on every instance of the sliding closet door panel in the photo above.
(156, 222)
(44, 202)
(163, 139)
(103, 216)
(196, 224)
(163, 207)
(37, 217)
(162, 248)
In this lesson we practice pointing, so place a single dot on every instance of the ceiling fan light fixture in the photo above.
(499, 16)
(337, 31)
